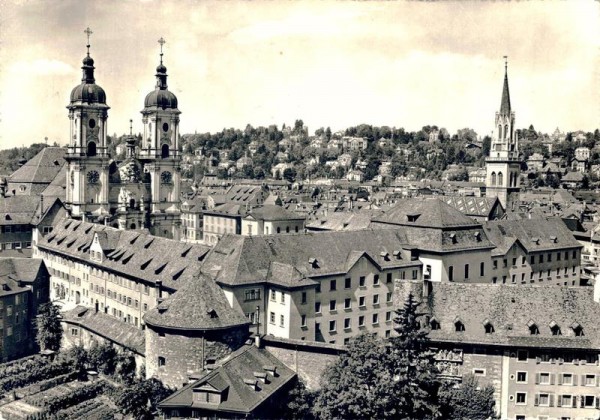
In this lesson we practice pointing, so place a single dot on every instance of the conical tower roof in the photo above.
(505, 104)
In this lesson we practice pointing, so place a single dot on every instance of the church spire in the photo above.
(88, 62)
(505, 104)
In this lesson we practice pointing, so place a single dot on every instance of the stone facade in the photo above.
(172, 355)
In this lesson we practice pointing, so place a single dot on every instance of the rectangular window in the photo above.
(332, 305)
(348, 283)
(361, 302)
(522, 355)
(541, 258)
(566, 255)
(495, 264)
(388, 316)
(565, 401)
(532, 259)
(332, 285)
(521, 377)
(303, 324)
(303, 298)
(273, 295)
(521, 398)
(388, 278)
(558, 255)
(544, 400)
(590, 380)
(318, 307)
(415, 274)
(361, 321)
(361, 281)
(331, 326)
(466, 271)
(451, 273)
(482, 269)
(252, 294)
(549, 257)
(281, 320)
(375, 318)
(567, 379)
(544, 378)
(347, 323)
(375, 299)
(376, 280)
(318, 288)
(161, 361)
(589, 401)
(282, 297)
(514, 261)
(347, 303)
(388, 297)
(523, 260)
(272, 317)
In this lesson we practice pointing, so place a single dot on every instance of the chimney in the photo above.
(41, 204)
(159, 288)
(257, 341)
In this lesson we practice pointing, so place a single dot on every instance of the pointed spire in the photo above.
(505, 104)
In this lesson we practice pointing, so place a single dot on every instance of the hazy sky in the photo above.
(403, 64)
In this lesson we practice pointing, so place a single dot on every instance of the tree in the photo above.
(141, 399)
(289, 174)
(48, 329)
(467, 400)
(415, 373)
(125, 368)
(360, 383)
(103, 357)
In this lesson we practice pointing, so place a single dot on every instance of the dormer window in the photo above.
(555, 329)
(385, 256)
(459, 326)
(271, 369)
(577, 329)
(535, 240)
(412, 217)
(478, 236)
(212, 313)
(314, 263)
(533, 328)
(397, 254)
(489, 327)
(434, 324)
(261, 376)
(453, 237)
(252, 383)
(553, 239)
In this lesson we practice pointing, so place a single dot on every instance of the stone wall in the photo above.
(308, 360)
(184, 352)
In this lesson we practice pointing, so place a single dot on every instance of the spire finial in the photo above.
(505, 64)
(131, 127)
(88, 32)
(162, 42)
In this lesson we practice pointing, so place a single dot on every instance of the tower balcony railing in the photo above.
(509, 156)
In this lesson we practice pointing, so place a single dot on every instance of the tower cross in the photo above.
(162, 42)
(88, 32)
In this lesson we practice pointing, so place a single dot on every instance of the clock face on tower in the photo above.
(166, 177)
(93, 177)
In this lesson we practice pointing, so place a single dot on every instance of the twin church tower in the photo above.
(142, 192)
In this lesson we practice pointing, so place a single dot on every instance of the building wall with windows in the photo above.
(23, 287)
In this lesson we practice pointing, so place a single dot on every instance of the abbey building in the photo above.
(143, 190)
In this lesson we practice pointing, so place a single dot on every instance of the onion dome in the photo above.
(161, 97)
(88, 91)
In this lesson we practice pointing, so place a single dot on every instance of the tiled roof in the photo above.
(536, 234)
(430, 212)
(135, 254)
(271, 212)
(18, 209)
(344, 220)
(511, 310)
(472, 206)
(13, 270)
(298, 258)
(42, 168)
(200, 304)
(108, 327)
(233, 377)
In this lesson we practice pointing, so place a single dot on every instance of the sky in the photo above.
(336, 64)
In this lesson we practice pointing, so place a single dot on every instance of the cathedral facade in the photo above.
(503, 166)
(141, 192)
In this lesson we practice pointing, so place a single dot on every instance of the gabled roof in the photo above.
(237, 260)
(18, 209)
(230, 376)
(135, 254)
(107, 326)
(472, 206)
(42, 168)
(199, 304)
(13, 270)
(430, 213)
(344, 220)
(536, 234)
(271, 212)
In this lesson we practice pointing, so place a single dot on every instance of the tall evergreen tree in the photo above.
(415, 373)
(48, 329)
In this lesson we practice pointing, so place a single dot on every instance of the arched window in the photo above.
(500, 178)
(132, 203)
(132, 226)
(91, 149)
(493, 178)
(500, 132)
(506, 132)
(278, 230)
(164, 151)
